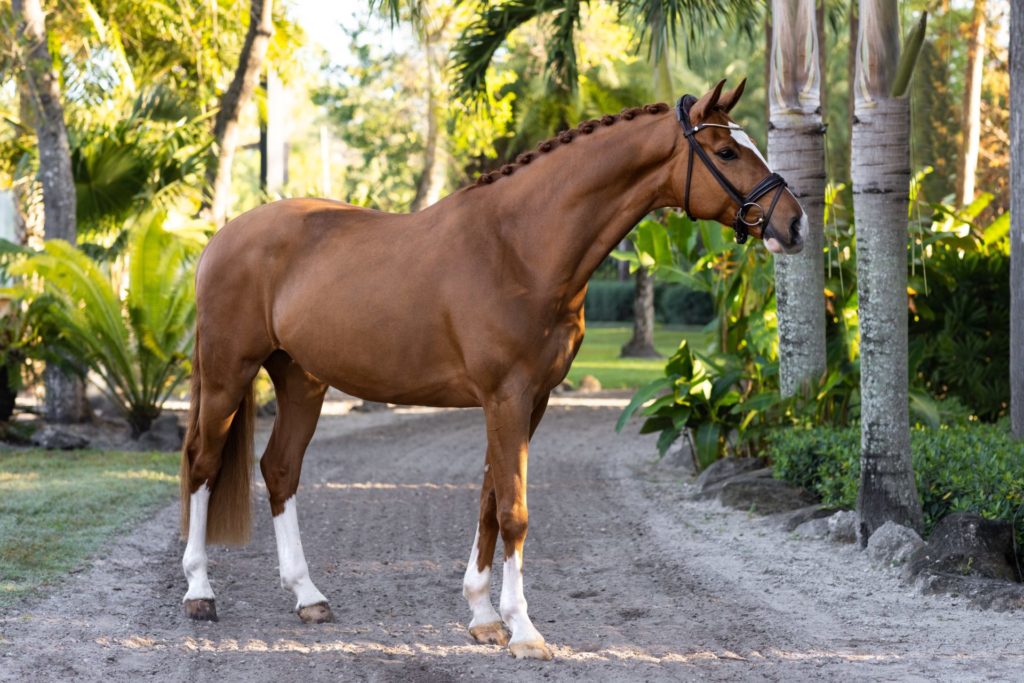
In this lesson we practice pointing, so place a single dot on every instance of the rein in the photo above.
(773, 181)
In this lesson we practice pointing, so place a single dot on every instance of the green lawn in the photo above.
(58, 508)
(599, 355)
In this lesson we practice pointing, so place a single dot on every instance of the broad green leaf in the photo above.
(642, 395)
(706, 443)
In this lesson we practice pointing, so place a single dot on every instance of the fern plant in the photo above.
(131, 324)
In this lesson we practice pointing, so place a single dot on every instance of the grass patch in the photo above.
(58, 508)
(599, 355)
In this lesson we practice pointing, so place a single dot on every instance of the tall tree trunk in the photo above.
(880, 169)
(641, 345)
(431, 181)
(234, 99)
(1017, 219)
(972, 106)
(65, 394)
(796, 150)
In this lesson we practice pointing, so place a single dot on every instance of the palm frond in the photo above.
(659, 22)
(474, 50)
(563, 74)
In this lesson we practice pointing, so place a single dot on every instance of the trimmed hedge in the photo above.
(977, 468)
(612, 301)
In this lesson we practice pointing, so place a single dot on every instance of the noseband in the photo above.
(773, 181)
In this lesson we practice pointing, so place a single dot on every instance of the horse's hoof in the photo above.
(531, 649)
(201, 610)
(493, 633)
(320, 613)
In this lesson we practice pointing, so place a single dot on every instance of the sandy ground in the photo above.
(627, 580)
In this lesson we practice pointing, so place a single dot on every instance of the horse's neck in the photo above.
(564, 213)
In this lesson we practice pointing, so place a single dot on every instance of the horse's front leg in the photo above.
(486, 626)
(510, 422)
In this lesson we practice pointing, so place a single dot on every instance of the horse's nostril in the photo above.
(794, 227)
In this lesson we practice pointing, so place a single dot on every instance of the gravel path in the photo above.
(626, 579)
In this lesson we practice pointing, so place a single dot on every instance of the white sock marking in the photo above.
(476, 588)
(291, 559)
(194, 560)
(513, 602)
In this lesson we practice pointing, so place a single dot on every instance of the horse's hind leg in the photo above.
(486, 626)
(299, 399)
(215, 474)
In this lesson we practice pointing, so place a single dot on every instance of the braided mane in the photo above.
(567, 136)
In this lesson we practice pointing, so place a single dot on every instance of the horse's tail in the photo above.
(229, 520)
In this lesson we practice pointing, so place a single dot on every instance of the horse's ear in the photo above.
(705, 104)
(729, 99)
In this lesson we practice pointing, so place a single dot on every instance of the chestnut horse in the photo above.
(474, 301)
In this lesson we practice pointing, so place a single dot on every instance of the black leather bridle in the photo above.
(773, 181)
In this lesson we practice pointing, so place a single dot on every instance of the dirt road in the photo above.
(627, 581)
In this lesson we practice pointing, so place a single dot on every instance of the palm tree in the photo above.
(234, 99)
(796, 150)
(972, 105)
(880, 170)
(65, 394)
(1017, 219)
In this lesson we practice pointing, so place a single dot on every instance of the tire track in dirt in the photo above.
(626, 579)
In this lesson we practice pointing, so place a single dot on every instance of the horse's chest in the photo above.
(560, 347)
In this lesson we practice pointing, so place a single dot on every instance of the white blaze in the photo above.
(743, 140)
(291, 559)
(513, 602)
(194, 561)
(476, 588)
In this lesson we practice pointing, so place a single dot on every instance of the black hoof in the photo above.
(201, 610)
(320, 613)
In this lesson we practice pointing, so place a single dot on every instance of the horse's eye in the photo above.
(727, 153)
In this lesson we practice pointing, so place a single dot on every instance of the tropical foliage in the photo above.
(137, 344)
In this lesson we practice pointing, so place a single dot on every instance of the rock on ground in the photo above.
(892, 544)
(967, 544)
(726, 468)
(165, 434)
(763, 495)
(55, 437)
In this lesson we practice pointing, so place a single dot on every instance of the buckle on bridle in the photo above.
(741, 215)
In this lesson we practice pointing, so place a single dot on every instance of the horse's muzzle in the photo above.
(794, 243)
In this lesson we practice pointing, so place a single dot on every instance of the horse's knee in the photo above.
(513, 521)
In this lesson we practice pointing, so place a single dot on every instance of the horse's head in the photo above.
(728, 180)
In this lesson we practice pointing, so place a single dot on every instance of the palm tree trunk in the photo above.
(796, 150)
(1017, 219)
(972, 106)
(641, 345)
(431, 181)
(65, 394)
(234, 99)
(880, 170)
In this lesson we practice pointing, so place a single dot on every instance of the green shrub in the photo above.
(977, 468)
(678, 305)
(960, 335)
(609, 301)
(612, 301)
